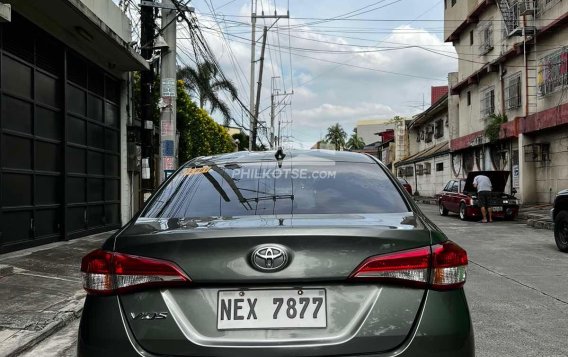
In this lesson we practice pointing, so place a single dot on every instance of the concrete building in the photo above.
(513, 62)
(367, 129)
(427, 167)
(65, 98)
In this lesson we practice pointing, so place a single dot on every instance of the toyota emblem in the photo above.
(269, 258)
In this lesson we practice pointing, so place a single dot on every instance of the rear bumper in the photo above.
(443, 329)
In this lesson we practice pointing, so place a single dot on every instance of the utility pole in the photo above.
(275, 141)
(260, 70)
(252, 61)
(146, 82)
(272, 143)
(168, 90)
(253, 108)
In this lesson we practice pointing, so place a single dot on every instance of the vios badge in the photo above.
(269, 258)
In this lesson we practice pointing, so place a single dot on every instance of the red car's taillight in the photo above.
(447, 261)
(106, 273)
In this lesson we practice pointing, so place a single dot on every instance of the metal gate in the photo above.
(59, 141)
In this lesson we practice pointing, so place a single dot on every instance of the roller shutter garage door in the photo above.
(59, 141)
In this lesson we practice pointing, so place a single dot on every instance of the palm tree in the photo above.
(355, 142)
(204, 82)
(336, 136)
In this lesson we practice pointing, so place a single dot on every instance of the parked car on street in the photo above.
(560, 218)
(459, 196)
(405, 184)
(312, 254)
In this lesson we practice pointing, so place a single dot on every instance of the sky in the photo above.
(344, 61)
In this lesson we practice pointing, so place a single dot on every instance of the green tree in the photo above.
(205, 83)
(199, 134)
(336, 136)
(355, 142)
(494, 126)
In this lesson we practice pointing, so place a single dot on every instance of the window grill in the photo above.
(537, 152)
(439, 129)
(487, 102)
(513, 91)
(486, 39)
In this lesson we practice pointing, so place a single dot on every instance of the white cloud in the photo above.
(324, 91)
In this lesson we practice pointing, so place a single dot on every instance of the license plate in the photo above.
(271, 309)
(497, 209)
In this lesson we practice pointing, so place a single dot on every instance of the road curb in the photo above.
(23, 340)
(6, 270)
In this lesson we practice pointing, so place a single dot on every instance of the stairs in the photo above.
(510, 17)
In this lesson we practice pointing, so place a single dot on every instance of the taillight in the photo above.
(441, 267)
(449, 266)
(106, 273)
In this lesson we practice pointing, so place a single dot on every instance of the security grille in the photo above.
(486, 39)
(513, 91)
(487, 102)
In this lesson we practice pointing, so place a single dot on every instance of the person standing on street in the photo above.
(483, 185)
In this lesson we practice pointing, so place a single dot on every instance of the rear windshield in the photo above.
(265, 189)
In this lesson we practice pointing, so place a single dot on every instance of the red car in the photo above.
(406, 185)
(459, 196)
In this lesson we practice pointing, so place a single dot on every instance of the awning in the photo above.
(436, 150)
(78, 27)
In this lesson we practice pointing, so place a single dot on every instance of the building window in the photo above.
(440, 166)
(537, 152)
(468, 98)
(427, 168)
(453, 3)
(439, 129)
(513, 91)
(553, 72)
(419, 169)
(486, 38)
(429, 133)
(409, 171)
(487, 102)
(471, 37)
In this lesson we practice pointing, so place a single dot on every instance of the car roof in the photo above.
(295, 155)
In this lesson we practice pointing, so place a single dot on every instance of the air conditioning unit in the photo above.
(526, 7)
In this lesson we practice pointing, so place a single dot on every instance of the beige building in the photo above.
(427, 167)
(513, 62)
(368, 129)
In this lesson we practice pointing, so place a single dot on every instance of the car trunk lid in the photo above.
(360, 316)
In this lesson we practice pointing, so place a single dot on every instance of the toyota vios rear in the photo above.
(248, 254)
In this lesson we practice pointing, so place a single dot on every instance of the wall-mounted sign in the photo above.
(168, 87)
(168, 148)
(516, 176)
(168, 163)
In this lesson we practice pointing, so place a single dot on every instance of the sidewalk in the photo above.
(534, 215)
(41, 291)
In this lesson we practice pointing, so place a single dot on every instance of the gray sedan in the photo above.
(303, 253)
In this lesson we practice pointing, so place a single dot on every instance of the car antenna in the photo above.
(279, 156)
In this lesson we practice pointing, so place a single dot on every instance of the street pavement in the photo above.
(517, 290)
(517, 286)
(41, 292)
